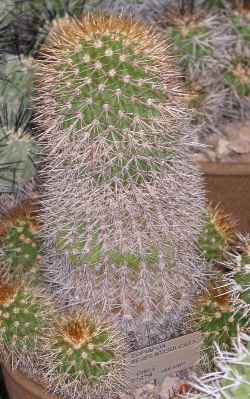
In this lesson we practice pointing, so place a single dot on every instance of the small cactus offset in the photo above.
(18, 154)
(115, 139)
(218, 317)
(218, 234)
(83, 357)
(19, 242)
(23, 313)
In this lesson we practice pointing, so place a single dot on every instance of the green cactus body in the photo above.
(23, 315)
(112, 214)
(217, 235)
(236, 381)
(184, 41)
(83, 354)
(20, 247)
(218, 318)
(15, 81)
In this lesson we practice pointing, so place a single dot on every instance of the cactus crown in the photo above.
(83, 355)
(103, 68)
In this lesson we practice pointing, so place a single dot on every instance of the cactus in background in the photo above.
(19, 242)
(122, 202)
(83, 357)
(18, 154)
(217, 236)
(15, 82)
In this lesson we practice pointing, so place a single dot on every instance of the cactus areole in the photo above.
(122, 201)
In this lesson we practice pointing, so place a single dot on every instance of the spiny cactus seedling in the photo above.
(218, 317)
(19, 242)
(122, 202)
(218, 234)
(83, 357)
(24, 312)
(18, 154)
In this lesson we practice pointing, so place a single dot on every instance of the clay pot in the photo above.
(20, 387)
(228, 184)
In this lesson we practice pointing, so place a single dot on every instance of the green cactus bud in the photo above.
(218, 234)
(83, 356)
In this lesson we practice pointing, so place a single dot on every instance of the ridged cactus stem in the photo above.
(122, 202)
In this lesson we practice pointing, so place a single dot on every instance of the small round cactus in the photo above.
(20, 245)
(83, 357)
(218, 234)
(24, 312)
(218, 317)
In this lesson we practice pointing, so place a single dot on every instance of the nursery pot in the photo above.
(20, 387)
(228, 184)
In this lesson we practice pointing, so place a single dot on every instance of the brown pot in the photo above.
(228, 184)
(20, 387)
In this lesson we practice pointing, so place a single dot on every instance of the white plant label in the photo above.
(154, 363)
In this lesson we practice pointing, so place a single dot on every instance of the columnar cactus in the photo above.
(122, 202)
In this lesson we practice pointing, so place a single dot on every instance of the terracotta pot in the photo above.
(228, 184)
(20, 387)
